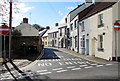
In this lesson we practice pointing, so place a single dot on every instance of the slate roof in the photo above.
(97, 7)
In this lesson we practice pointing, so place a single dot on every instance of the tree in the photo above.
(15, 32)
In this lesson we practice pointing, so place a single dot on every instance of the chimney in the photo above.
(56, 24)
(88, 1)
(25, 20)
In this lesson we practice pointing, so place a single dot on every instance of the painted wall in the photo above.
(107, 38)
(73, 33)
(87, 34)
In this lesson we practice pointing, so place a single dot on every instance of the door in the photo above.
(87, 46)
(93, 47)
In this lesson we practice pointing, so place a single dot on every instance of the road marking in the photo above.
(76, 68)
(83, 65)
(99, 65)
(41, 70)
(61, 71)
(44, 64)
(68, 63)
(60, 63)
(49, 60)
(81, 62)
(89, 67)
(45, 73)
(93, 64)
(71, 67)
(82, 57)
(57, 69)
(75, 62)
(108, 64)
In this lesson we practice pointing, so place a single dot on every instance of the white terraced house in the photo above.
(97, 36)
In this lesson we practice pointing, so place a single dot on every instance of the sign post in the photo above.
(4, 29)
(117, 28)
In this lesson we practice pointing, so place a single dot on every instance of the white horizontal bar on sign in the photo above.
(4, 29)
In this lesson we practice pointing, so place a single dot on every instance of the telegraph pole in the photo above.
(10, 26)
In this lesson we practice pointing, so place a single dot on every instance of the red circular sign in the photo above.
(116, 26)
(4, 29)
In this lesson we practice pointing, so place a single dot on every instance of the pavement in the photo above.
(24, 62)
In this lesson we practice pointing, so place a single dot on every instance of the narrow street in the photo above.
(56, 64)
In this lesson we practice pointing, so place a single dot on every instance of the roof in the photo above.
(54, 29)
(62, 25)
(98, 6)
(46, 34)
(76, 8)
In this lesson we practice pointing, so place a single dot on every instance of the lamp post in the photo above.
(10, 26)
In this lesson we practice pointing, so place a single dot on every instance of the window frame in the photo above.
(100, 43)
(100, 21)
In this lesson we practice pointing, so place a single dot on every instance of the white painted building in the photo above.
(53, 37)
(72, 24)
(98, 25)
(27, 29)
(62, 35)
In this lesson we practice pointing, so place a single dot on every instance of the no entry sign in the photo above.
(116, 26)
(4, 29)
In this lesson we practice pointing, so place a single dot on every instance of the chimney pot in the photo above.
(25, 20)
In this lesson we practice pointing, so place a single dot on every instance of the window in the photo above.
(60, 31)
(68, 31)
(82, 27)
(100, 42)
(71, 26)
(75, 41)
(55, 41)
(100, 20)
(83, 41)
(76, 22)
(55, 35)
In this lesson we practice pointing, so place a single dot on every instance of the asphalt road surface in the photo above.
(59, 65)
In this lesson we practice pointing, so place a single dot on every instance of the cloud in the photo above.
(70, 8)
(20, 12)
(23, 8)
(63, 19)
(60, 13)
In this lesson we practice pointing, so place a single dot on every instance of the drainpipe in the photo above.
(78, 37)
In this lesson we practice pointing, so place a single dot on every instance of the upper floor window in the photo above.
(75, 23)
(71, 26)
(100, 20)
(82, 27)
(60, 31)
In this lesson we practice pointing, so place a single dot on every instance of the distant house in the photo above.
(45, 38)
(62, 35)
(53, 37)
(27, 29)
